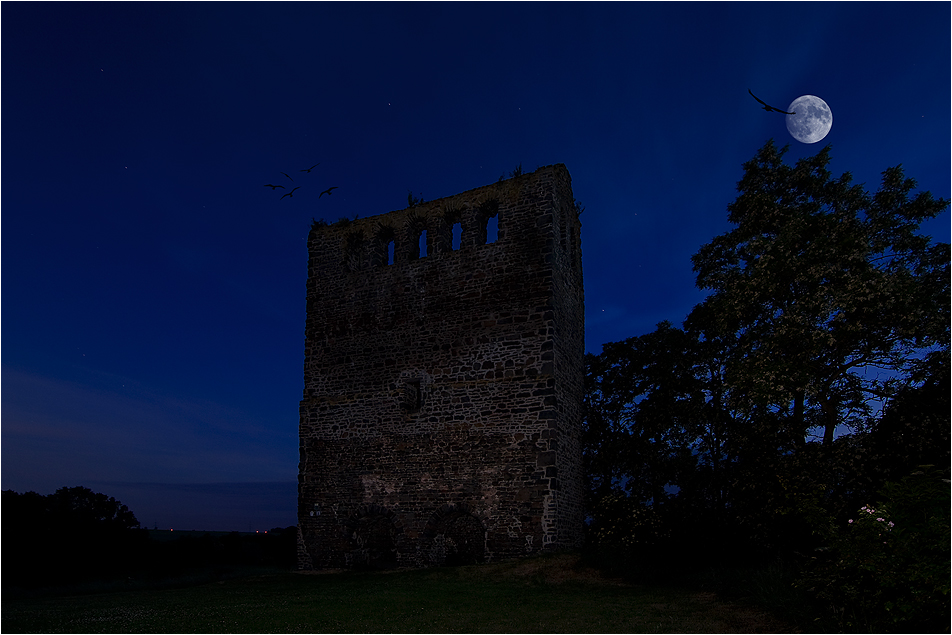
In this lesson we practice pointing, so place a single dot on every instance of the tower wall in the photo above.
(441, 415)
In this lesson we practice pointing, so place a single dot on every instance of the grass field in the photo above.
(544, 595)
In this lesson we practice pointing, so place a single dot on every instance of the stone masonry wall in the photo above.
(441, 415)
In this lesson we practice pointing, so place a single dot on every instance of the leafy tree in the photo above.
(658, 441)
(821, 282)
(914, 429)
(639, 423)
(704, 429)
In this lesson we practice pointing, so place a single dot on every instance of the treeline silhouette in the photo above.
(76, 536)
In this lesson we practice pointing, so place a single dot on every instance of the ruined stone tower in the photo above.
(443, 380)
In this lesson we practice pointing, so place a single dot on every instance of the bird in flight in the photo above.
(272, 186)
(311, 168)
(328, 191)
(287, 175)
(291, 193)
(769, 108)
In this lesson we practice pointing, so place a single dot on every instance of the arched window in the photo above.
(487, 222)
(422, 244)
(417, 238)
(492, 229)
(457, 236)
(383, 247)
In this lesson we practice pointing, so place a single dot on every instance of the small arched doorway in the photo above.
(372, 537)
(456, 537)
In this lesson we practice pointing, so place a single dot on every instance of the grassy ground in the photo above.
(544, 595)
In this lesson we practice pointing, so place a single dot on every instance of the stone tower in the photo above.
(443, 380)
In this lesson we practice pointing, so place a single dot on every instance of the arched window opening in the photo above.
(457, 236)
(422, 244)
(487, 226)
(390, 249)
(492, 230)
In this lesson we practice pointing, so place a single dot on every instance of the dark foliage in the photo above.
(75, 536)
(413, 201)
(72, 534)
(699, 441)
(886, 569)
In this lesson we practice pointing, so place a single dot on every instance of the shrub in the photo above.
(887, 569)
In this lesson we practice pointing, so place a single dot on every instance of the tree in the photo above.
(914, 428)
(80, 507)
(821, 282)
(68, 535)
(638, 405)
(705, 428)
(658, 442)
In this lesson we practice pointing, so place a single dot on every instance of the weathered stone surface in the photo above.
(441, 414)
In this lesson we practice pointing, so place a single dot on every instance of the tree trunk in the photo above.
(829, 409)
(800, 428)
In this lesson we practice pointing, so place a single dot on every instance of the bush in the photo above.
(887, 569)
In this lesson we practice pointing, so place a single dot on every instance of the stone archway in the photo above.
(372, 537)
(456, 537)
(465, 539)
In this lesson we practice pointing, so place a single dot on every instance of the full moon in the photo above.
(812, 121)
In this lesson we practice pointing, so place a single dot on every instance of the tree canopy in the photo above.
(824, 340)
(831, 293)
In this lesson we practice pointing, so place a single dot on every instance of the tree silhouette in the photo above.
(83, 508)
(71, 534)
(820, 282)
(699, 435)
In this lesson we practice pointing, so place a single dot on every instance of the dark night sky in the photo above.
(153, 289)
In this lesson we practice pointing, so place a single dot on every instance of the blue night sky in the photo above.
(153, 289)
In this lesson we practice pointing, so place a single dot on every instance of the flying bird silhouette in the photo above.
(311, 168)
(328, 191)
(287, 175)
(291, 193)
(272, 186)
(769, 108)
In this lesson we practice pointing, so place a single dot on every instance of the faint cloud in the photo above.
(58, 432)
